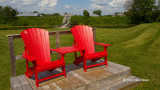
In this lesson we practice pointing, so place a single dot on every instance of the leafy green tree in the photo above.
(43, 14)
(116, 13)
(86, 13)
(1, 10)
(158, 4)
(35, 12)
(86, 17)
(98, 12)
(9, 13)
(1, 15)
(140, 10)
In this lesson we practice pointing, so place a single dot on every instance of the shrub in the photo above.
(78, 20)
(38, 21)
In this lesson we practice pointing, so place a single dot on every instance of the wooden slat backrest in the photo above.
(37, 44)
(83, 36)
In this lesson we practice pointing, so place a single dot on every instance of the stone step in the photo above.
(116, 71)
(125, 83)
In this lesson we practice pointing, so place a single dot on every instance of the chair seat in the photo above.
(51, 65)
(96, 55)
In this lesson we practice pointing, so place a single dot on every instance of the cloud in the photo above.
(67, 6)
(117, 3)
(108, 6)
(99, 3)
(31, 5)
(48, 3)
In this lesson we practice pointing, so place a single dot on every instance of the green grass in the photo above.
(137, 47)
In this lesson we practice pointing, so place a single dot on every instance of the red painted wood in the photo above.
(65, 50)
(37, 50)
(28, 57)
(37, 44)
(83, 36)
(102, 44)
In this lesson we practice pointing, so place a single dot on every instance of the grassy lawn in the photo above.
(137, 47)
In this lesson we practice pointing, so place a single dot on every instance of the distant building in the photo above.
(27, 14)
(66, 23)
(66, 18)
(67, 15)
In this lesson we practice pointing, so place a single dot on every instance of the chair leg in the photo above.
(64, 72)
(36, 78)
(84, 64)
(106, 61)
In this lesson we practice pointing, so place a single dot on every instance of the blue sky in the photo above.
(70, 6)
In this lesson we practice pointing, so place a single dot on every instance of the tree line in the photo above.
(7, 14)
(142, 11)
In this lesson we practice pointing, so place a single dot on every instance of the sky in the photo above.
(74, 7)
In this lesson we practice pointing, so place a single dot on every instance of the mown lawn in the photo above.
(137, 47)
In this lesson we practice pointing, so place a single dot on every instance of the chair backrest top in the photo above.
(83, 36)
(37, 44)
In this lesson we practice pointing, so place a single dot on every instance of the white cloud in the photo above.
(117, 3)
(99, 3)
(48, 3)
(67, 6)
(108, 6)
(31, 5)
(27, 2)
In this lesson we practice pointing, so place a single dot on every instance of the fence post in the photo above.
(58, 44)
(94, 37)
(12, 57)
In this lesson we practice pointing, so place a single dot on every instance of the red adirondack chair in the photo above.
(83, 36)
(37, 51)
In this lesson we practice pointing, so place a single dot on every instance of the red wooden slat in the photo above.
(37, 46)
(84, 37)
(37, 43)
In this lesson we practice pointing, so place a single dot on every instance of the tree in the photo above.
(128, 4)
(116, 13)
(1, 10)
(43, 14)
(139, 10)
(7, 14)
(56, 14)
(98, 12)
(1, 15)
(158, 4)
(86, 17)
(35, 12)
(65, 13)
(86, 13)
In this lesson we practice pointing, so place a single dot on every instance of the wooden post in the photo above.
(94, 37)
(58, 44)
(12, 57)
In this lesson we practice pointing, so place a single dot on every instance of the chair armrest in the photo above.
(102, 44)
(64, 50)
(28, 57)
